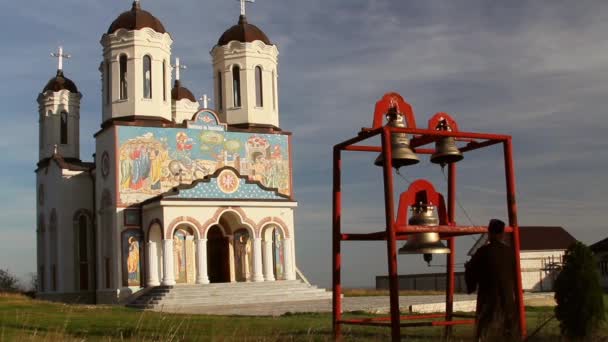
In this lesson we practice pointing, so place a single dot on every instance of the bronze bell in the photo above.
(427, 243)
(402, 153)
(446, 151)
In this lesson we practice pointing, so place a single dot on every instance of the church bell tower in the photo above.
(136, 67)
(245, 76)
(59, 113)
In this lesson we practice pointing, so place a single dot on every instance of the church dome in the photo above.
(136, 19)
(179, 93)
(243, 32)
(60, 82)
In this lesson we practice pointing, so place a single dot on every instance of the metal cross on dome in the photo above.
(243, 5)
(178, 67)
(60, 55)
(205, 100)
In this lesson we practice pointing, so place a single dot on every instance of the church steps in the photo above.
(222, 294)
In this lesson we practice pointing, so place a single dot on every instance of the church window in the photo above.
(83, 253)
(147, 77)
(220, 90)
(64, 128)
(108, 82)
(236, 85)
(122, 61)
(259, 93)
(274, 92)
(164, 80)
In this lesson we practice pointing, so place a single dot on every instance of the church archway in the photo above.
(218, 256)
(273, 251)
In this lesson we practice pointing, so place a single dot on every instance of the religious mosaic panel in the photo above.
(131, 255)
(152, 160)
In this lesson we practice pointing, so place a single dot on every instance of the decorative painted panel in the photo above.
(152, 160)
(227, 185)
(131, 254)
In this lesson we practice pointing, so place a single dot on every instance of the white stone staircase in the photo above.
(207, 298)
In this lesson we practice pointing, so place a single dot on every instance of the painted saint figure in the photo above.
(133, 261)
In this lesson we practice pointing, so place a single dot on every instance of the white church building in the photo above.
(176, 194)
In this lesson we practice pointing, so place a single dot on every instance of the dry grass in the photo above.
(375, 292)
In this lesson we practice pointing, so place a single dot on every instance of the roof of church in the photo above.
(136, 19)
(60, 82)
(243, 32)
(178, 92)
(73, 164)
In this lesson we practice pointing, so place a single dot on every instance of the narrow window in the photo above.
(83, 254)
(259, 92)
(108, 83)
(164, 80)
(147, 77)
(220, 90)
(123, 77)
(64, 128)
(236, 85)
(274, 92)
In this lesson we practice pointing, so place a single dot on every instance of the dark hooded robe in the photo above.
(492, 271)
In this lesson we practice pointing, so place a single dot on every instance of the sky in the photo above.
(537, 70)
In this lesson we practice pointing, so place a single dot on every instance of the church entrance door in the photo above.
(217, 256)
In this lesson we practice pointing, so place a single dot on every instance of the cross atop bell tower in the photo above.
(243, 2)
(60, 56)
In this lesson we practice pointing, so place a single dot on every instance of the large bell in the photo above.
(424, 243)
(400, 144)
(446, 151)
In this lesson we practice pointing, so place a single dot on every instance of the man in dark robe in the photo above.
(492, 271)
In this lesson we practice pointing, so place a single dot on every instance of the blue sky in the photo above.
(536, 70)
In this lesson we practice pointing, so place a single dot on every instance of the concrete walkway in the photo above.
(376, 304)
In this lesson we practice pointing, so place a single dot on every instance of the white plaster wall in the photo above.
(67, 192)
(247, 56)
(136, 44)
(183, 109)
(535, 277)
(50, 106)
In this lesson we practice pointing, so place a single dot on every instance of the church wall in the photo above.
(536, 271)
(57, 183)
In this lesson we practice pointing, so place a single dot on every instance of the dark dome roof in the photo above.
(59, 83)
(136, 19)
(178, 92)
(243, 32)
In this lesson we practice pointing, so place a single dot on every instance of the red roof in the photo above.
(534, 238)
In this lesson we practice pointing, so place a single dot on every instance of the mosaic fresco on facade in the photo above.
(131, 254)
(152, 160)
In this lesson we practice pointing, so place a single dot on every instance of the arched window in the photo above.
(259, 92)
(236, 85)
(220, 91)
(83, 252)
(108, 79)
(122, 61)
(164, 80)
(63, 130)
(147, 77)
(274, 92)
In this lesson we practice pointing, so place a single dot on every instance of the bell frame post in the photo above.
(395, 231)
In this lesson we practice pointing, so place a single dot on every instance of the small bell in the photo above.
(446, 151)
(424, 243)
(400, 144)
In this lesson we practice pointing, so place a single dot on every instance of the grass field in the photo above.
(24, 319)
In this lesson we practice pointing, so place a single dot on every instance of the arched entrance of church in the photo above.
(184, 255)
(218, 257)
(273, 251)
